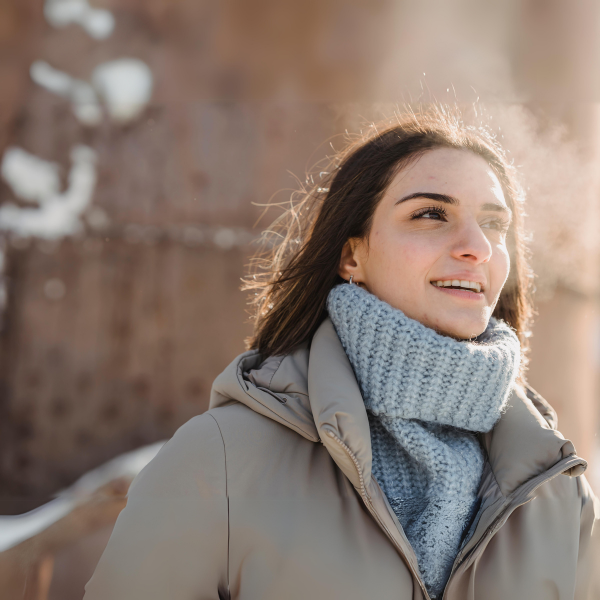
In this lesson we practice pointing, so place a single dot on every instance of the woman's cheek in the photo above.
(500, 268)
(416, 248)
(506, 262)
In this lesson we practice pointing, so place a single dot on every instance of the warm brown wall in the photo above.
(152, 310)
(125, 357)
(564, 365)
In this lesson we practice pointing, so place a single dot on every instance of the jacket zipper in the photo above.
(369, 505)
(553, 472)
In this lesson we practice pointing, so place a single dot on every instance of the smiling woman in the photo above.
(390, 327)
(423, 201)
(437, 246)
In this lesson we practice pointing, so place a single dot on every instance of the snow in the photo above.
(97, 218)
(17, 528)
(14, 529)
(225, 238)
(30, 177)
(125, 85)
(98, 23)
(81, 94)
(58, 213)
(52, 79)
(125, 465)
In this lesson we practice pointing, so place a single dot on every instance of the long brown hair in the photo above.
(297, 266)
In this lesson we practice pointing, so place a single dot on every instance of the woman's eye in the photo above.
(434, 213)
(497, 224)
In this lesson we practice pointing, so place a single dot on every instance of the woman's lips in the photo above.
(466, 294)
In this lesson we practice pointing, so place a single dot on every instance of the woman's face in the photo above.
(437, 245)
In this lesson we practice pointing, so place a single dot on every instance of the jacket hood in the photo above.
(314, 392)
(276, 388)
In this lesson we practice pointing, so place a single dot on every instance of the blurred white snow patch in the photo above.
(3, 295)
(97, 218)
(225, 238)
(58, 214)
(55, 289)
(81, 94)
(125, 85)
(98, 23)
(52, 79)
(14, 529)
(3, 290)
(125, 465)
(30, 177)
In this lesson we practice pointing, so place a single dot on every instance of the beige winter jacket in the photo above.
(269, 496)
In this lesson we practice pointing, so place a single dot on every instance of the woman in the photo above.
(377, 440)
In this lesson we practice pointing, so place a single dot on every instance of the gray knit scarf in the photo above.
(426, 395)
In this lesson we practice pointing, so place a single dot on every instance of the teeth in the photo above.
(468, 285)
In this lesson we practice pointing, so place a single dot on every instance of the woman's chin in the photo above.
(460, 329)
(459, 322)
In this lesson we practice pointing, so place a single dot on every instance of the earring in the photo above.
(350, 280)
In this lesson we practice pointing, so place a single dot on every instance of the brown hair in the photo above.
(298, 265)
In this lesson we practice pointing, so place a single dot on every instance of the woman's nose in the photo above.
(472, 244)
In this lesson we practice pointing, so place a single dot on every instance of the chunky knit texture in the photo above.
(425, 394)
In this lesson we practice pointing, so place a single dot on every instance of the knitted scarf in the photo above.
(426, 395)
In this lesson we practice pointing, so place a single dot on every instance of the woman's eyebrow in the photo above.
(489, 206)
(439, 197)
(496, 207)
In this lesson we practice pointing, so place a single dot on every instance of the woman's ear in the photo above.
(350, 263)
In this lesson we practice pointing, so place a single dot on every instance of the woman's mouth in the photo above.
(456, 284)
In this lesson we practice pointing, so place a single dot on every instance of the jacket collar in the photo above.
(337, 404)
(314, 392)
(523, 444)
(275, 388)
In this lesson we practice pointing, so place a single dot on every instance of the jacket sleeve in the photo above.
(587, 583)
(171, 540)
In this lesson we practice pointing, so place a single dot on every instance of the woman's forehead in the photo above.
(457, 173)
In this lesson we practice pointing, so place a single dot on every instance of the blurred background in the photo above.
(138, 141)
